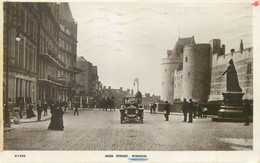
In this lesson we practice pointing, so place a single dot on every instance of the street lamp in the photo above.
(18, 39)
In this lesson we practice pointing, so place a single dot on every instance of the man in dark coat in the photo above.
(45, 107)
(65, 104)
(190, 109)
(154, 107)
(151, 108)
(195, 109)
(247, 112)
(21, 106)
(167, 109)
(39, 110)
(184, 109)
(76, 105)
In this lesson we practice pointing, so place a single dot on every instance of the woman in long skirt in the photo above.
(59, 116)
(53, 112)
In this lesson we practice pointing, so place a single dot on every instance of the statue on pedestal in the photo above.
(232, 80)
(232, 110)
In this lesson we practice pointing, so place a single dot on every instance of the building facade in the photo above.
(173, 62)
(38, 68)
(85, 78)
(203, 64)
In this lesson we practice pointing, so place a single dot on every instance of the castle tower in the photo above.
(196, 72)
(173, 62)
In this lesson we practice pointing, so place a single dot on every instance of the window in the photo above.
(249, 68)
(186, 59)
(188, 74)
(165, 70)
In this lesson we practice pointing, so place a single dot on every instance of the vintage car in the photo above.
(131, 109)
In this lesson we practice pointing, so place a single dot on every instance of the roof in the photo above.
(185, 41)
(182, 42)
(65, 12)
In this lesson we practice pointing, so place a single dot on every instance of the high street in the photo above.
(101, 130)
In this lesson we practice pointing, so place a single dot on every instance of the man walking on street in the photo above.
(184, 109)
(167, 109)
(190, 108)
(39, 110)
(195, 109)
(21, 106)
(76, 105)
(151, 108)
(154, 107)
(65, 104)
(45, 107)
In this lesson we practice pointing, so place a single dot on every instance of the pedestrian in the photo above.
(151, 108)
(195, 109)
(59, 116)
(247, 112)
(199, 111)
(30, 112)
(154, 107)
(39, 110)
(76, 108)
(52, 109)
(190, 109)
(45, 107)
(21, 106)
(167, 109)
(205, 111)
(184, 109)
(65, 106)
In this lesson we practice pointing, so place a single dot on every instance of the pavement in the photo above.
(96, 129)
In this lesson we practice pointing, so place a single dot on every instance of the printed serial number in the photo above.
(19, 155)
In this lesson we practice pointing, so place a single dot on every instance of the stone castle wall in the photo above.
(167, 86)
(244, 67)
(196, 72)
(178, 85)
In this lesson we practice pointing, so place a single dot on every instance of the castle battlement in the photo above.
(237, 55)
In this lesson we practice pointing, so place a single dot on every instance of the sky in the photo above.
(128, 40)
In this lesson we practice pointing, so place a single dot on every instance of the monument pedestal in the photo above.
(232, 110)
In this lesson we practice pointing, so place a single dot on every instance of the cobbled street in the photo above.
(101, 130)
